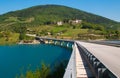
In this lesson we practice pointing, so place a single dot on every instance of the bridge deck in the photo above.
(77, 67)
(108, 55)
(82, 69)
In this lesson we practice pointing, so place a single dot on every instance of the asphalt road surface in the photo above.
(108, 55)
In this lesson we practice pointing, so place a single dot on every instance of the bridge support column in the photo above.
(48, 41)
(55, 42)
(89, 56)
(86, 53)
(101, 72)
(72, 45)
(94, 64)
(68, 44)
(61, 43)
(93, 60)
(97, 66)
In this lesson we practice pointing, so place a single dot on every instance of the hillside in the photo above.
(49, 14)
(43, 21)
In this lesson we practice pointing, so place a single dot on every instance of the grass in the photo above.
(64, 32)
(13, 39)
(67, 32)
(73, 32)
(57, 29)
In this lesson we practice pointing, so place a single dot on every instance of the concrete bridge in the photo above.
(89, 60)
(103, 59)
(61, 42)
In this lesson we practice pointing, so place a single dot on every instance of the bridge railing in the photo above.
(61, 42)
(99, 69)
(70, 71)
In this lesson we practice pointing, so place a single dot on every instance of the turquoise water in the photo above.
(17, 58)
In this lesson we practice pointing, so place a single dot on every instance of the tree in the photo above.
(20, 28)
(22, 36)
(86, 25)
(42, 72)
(45, 70)
(30, 74)
(7, 35)
(101, 28)
(117, 34)
(1, 35)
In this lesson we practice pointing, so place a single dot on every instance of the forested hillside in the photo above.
(55, 21)
(49, 14)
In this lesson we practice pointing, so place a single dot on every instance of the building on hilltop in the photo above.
(75, 21)
(59, 23)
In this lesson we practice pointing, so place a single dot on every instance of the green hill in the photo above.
(42, 20)
(49, 14)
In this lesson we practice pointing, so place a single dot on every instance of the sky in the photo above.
(105, 8)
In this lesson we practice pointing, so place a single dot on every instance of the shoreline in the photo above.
(29, 42)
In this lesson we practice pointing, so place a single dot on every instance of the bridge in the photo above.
(61, 42)
(89, 60)
(107, 56)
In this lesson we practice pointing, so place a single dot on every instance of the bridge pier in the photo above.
(61, 43)
(102, 73)
(97, 66)
(93, 60)
(49, 42)
(55, 42)
(68, 44)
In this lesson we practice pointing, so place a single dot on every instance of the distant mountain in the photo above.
(46, 14)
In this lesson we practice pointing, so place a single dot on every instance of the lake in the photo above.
(17, 58)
